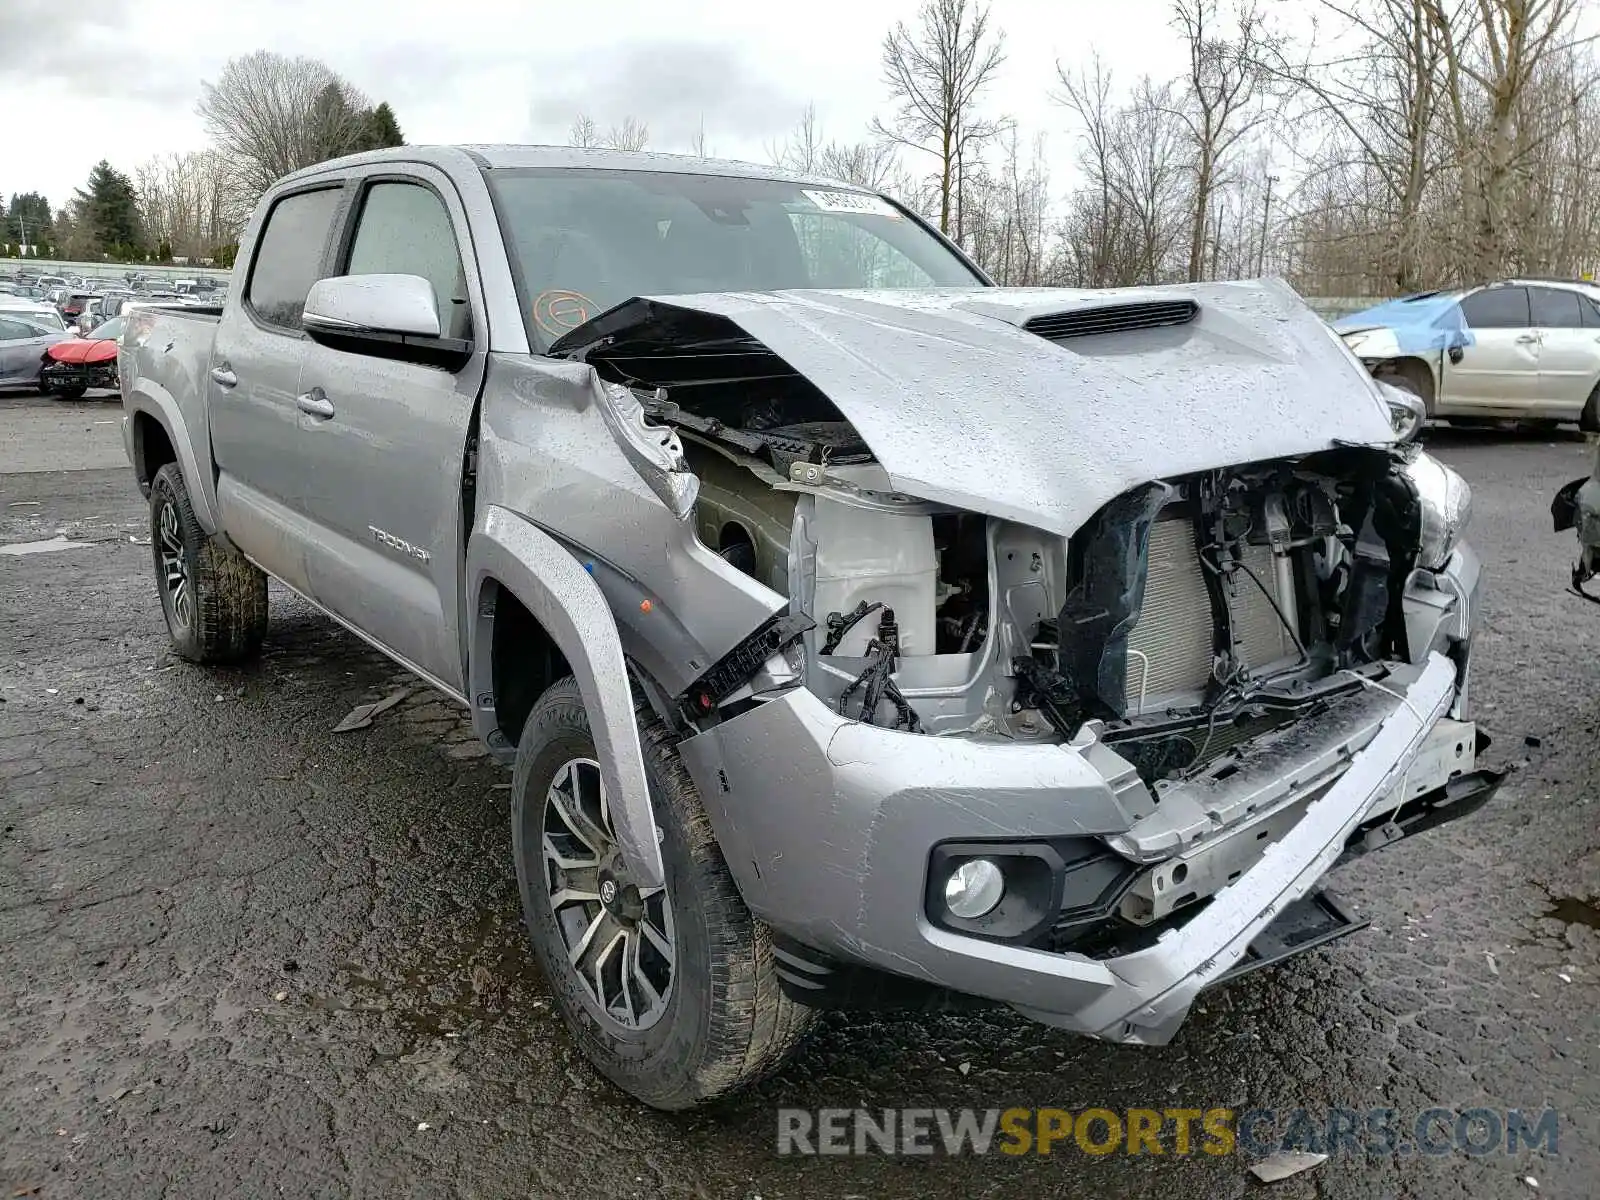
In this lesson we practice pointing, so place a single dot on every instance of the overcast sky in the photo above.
(119, 79)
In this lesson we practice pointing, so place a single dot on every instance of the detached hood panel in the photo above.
(963, 406)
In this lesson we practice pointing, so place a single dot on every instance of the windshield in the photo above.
(583, 241)
(110, 330)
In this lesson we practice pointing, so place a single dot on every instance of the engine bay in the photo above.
(1187, 616)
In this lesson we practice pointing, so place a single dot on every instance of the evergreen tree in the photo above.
(108, 211)
(381, 129)
(30, 211)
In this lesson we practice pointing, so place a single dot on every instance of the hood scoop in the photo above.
(1111, 318)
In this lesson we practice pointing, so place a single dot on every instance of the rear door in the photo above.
(1569, 349)
(253, 379)
(22, 346)
(1498, 369)
(382, 466)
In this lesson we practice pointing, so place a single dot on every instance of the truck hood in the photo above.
(961, 404)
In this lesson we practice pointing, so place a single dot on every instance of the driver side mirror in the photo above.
(385, 316)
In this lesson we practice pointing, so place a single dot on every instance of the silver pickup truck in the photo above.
(860, 633)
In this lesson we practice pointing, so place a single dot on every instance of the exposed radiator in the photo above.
(1169, 654)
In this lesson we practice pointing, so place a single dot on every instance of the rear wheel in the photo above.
(214, 599)
(1589, 420)
(672, 993)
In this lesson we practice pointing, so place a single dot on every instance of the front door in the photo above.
(1497, 372)
(1568, 325)
(253, 380)
(382, 453)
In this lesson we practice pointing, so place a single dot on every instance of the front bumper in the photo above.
(828, 826)
(66, 376)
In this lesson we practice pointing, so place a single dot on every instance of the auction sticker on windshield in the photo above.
(851, 202)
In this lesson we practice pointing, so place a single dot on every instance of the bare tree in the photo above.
(1380, 94)
(632, 134)
(937, 74)
(868, 164)
(871, 164)
(1515, 39)
(697, 143)
(1088, 95)
(1219, 109)
(582, 131)
(269, 114)
(802, 149)
(186, 204)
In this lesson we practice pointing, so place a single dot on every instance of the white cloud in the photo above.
(119, 79)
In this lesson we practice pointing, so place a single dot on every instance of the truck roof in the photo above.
(572, 158)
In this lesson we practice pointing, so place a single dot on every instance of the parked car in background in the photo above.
(75, 303)
(78, 364)
(113, 302)
(850, 646)
(1522, 350)
(51, 281)
(27, 333)
(38, 310)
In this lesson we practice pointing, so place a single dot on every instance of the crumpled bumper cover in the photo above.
(1151, 990)
(826, 825)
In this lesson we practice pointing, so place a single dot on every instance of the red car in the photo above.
(74, 366)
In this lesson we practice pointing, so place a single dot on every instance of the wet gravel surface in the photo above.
(241, 955)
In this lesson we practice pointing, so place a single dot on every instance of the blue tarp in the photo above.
(1425, 322)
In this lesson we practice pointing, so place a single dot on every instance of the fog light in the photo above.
(973, 889)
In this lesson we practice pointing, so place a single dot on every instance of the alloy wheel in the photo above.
(618, 936)
(175, 567)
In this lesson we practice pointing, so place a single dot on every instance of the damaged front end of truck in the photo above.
(1108, 626)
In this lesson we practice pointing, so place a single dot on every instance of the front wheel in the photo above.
(672, 993)
(214, 599)
(71, 391)
(1411, 376)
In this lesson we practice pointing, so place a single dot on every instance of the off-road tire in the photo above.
(228, 602)
(727, 1023)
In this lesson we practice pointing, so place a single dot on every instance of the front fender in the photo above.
(567, 602)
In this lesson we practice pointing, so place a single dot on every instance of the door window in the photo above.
(16, 331)
(405, 229)
(1497, 308)
(1591, 312)
(289, 256)
(1554, 308)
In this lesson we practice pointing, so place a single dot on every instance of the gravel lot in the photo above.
(243, 956)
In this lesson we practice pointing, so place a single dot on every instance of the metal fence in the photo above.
(1329, 308)
(107, 270)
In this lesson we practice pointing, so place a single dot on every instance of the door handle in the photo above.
(1524, 339)
(223, 376)
(316, 403)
